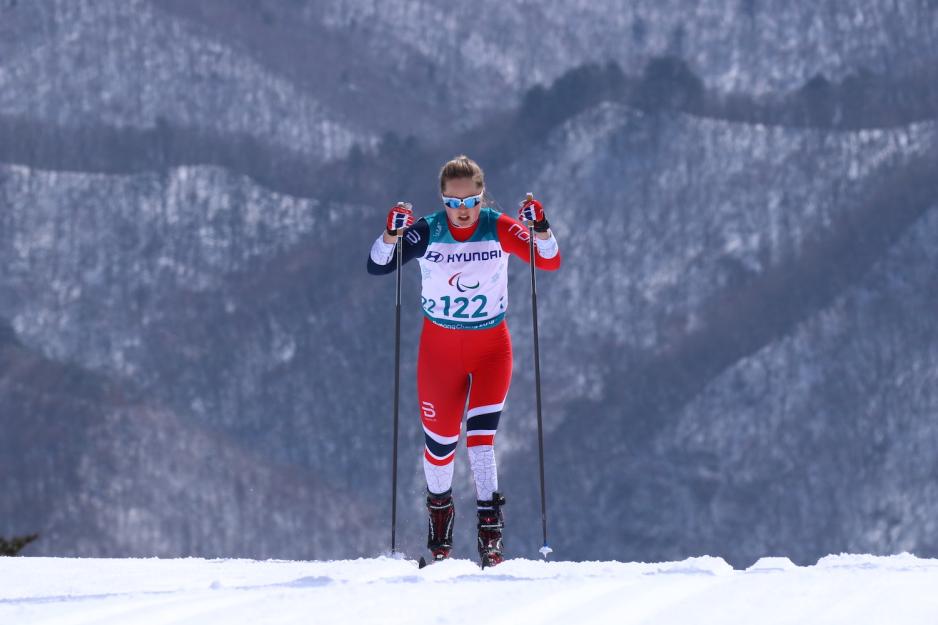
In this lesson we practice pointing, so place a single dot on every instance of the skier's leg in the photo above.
(442, 383)
(491, 377)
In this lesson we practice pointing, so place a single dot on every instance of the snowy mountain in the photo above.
(128, 65)
(838, 590)
(738, 353)
(752, 323)
(108, 474)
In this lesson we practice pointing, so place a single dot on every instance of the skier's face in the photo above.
(462, 188)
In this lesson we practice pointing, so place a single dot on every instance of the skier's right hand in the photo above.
(400, 216)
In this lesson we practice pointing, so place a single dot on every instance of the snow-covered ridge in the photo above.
(748, 46)
(126, 65)
(855, 589)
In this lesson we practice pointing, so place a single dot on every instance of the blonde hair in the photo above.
(462, 167)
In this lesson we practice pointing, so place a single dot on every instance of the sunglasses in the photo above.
(455, 202)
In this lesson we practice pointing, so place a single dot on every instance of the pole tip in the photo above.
(545, 551)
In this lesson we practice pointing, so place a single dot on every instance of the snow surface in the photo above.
(850, 589)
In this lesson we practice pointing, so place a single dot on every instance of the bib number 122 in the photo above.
(461, 304)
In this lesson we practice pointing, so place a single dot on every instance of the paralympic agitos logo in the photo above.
(454, 280)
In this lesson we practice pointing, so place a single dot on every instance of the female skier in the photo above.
(465, 349)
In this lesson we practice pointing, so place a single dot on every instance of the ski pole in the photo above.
(398, 252)
(545, 550)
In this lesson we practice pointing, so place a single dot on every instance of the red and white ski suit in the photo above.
(465, 359)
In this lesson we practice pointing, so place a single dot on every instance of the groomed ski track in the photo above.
(839, 589)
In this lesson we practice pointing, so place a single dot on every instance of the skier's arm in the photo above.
(415, 241)
(514, 238)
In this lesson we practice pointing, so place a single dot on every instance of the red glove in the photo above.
(532, 210)
(399, 217)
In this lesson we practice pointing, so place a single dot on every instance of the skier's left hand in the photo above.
(531, 210)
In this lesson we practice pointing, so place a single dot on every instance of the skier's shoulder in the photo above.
(434, 218)
(494, 221)
(422, 224)
(437, 227)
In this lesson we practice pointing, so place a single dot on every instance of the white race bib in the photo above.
(465, 283)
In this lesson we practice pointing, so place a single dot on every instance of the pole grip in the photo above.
(400, 231)
(529, 197)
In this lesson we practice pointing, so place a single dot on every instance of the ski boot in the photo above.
(440, 532)
(491, 523)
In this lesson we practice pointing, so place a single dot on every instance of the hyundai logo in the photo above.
(434, 257)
